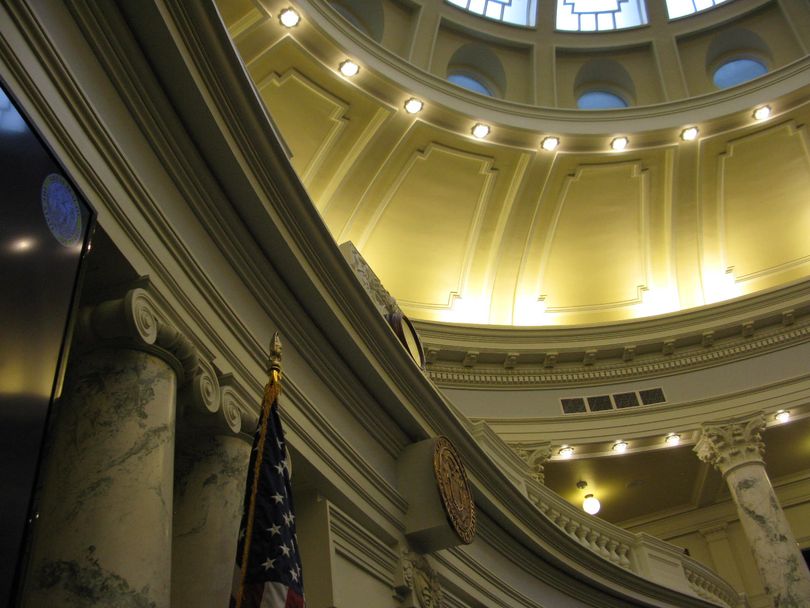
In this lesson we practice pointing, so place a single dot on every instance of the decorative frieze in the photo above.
(593, 370)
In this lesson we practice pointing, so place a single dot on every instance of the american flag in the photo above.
(268, 565)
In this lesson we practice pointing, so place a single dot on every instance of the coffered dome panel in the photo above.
(501, 230)
(596, 252)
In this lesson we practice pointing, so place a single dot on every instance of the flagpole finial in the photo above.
(274, 358)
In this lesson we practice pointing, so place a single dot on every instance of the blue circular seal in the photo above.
(61, 209)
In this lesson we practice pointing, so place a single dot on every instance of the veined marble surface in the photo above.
(209, 492)
(105, 514)
(778, 558)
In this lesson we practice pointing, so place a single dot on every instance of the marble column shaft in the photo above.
(103, 536)
(212, 461)
(735, 447)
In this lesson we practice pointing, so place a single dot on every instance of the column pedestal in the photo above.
(103, 535)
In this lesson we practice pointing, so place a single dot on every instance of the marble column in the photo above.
(102, 535)
(211, 467)
(735, 447)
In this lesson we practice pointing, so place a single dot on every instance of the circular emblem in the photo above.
(454, 489)
(61, 209)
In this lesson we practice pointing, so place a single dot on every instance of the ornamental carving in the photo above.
(729, 444)
(421, 579)
(454, 489)
(384, 301)
(536, 455)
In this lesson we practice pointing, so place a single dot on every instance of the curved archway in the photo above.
(367, 16)
(479, 64)
(603, 84)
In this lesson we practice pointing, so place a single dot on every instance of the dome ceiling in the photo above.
(501, 231)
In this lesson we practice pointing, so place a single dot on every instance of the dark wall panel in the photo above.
(43, 228)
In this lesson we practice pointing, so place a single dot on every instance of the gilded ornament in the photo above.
(454, 489)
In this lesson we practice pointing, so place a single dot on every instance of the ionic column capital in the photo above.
(728, 444)
(219, 405)
(135, 320)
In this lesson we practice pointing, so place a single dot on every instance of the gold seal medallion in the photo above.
(454, 489)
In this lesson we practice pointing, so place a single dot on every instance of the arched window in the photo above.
(516, 12)
(682, 8)
(738, 71)
(603, 84)
(599, 15)
(470, 83)
(735, 56)
(600, 100)
(477, 68)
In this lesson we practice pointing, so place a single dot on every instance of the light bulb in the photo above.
(566, 451)
(672, 439)
(480, 130)
(550, 143)
(762, 112)
(690, 134)
(782, 416)
(414, 105)
(619, 143)
(289, 17)
(21, 245)
(620, 447)
(349, 68)
(591, 504)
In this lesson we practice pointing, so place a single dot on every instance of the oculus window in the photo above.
(682, 8)
(515, 12)
(599, 15)
(469, 83)
(737, 71)
(600, 100)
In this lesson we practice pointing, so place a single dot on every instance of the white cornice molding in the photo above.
(364, 550)
(663, 346)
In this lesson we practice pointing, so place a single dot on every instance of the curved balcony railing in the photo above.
(644, 555)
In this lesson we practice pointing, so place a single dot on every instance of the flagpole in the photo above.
(271, 391)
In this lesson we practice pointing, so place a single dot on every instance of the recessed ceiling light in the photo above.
(619, 143)
(566, 451)
(289, 17)
(591, 504)
(550, 143)
(480, 130)
(690, 134)
(782, 416)
(620, 447)
(349, 68)
(762, 112)
(414, 105)
(672, 439)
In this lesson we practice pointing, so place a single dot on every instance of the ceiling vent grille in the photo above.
(617, 401)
